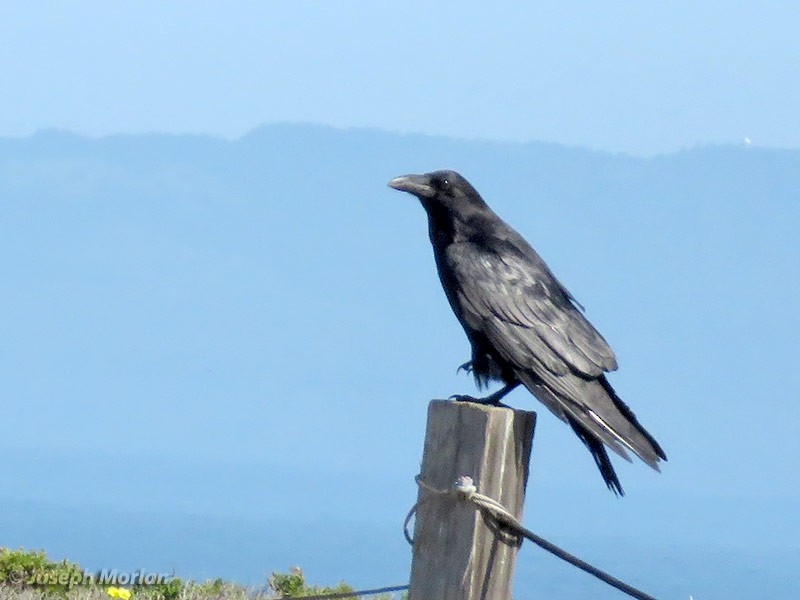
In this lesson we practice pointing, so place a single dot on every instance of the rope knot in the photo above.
(466, 486)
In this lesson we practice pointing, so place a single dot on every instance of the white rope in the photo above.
(465, 488)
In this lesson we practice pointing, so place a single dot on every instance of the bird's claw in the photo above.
(488, 401)
(462, 397)
(466, 367)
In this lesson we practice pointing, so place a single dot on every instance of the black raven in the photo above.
(524, 325)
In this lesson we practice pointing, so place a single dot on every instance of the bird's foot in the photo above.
(490, 400)
(466, 367)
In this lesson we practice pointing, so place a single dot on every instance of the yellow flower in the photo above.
(116, 592)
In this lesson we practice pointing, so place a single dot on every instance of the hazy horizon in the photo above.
(45, 131)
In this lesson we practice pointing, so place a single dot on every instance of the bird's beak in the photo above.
(419, 185)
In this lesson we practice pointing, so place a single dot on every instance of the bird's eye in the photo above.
(444, 183)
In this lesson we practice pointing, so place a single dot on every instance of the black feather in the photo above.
(600, 456)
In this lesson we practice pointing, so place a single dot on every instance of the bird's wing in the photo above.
(526, 314)
(528, 319)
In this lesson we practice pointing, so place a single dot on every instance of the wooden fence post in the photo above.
(457, 554)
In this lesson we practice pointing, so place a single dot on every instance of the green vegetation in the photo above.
(30, 575)
(293, 585)
(32, 569)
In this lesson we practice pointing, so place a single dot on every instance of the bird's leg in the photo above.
(494, 399)
(491, 399)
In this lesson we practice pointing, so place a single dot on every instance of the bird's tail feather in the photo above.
(600, 456)
(599, 417)
(628, 414)
(611, 415)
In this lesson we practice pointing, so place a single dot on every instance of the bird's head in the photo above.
(442, 189)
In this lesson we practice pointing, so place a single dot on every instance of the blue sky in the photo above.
(639, 77)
